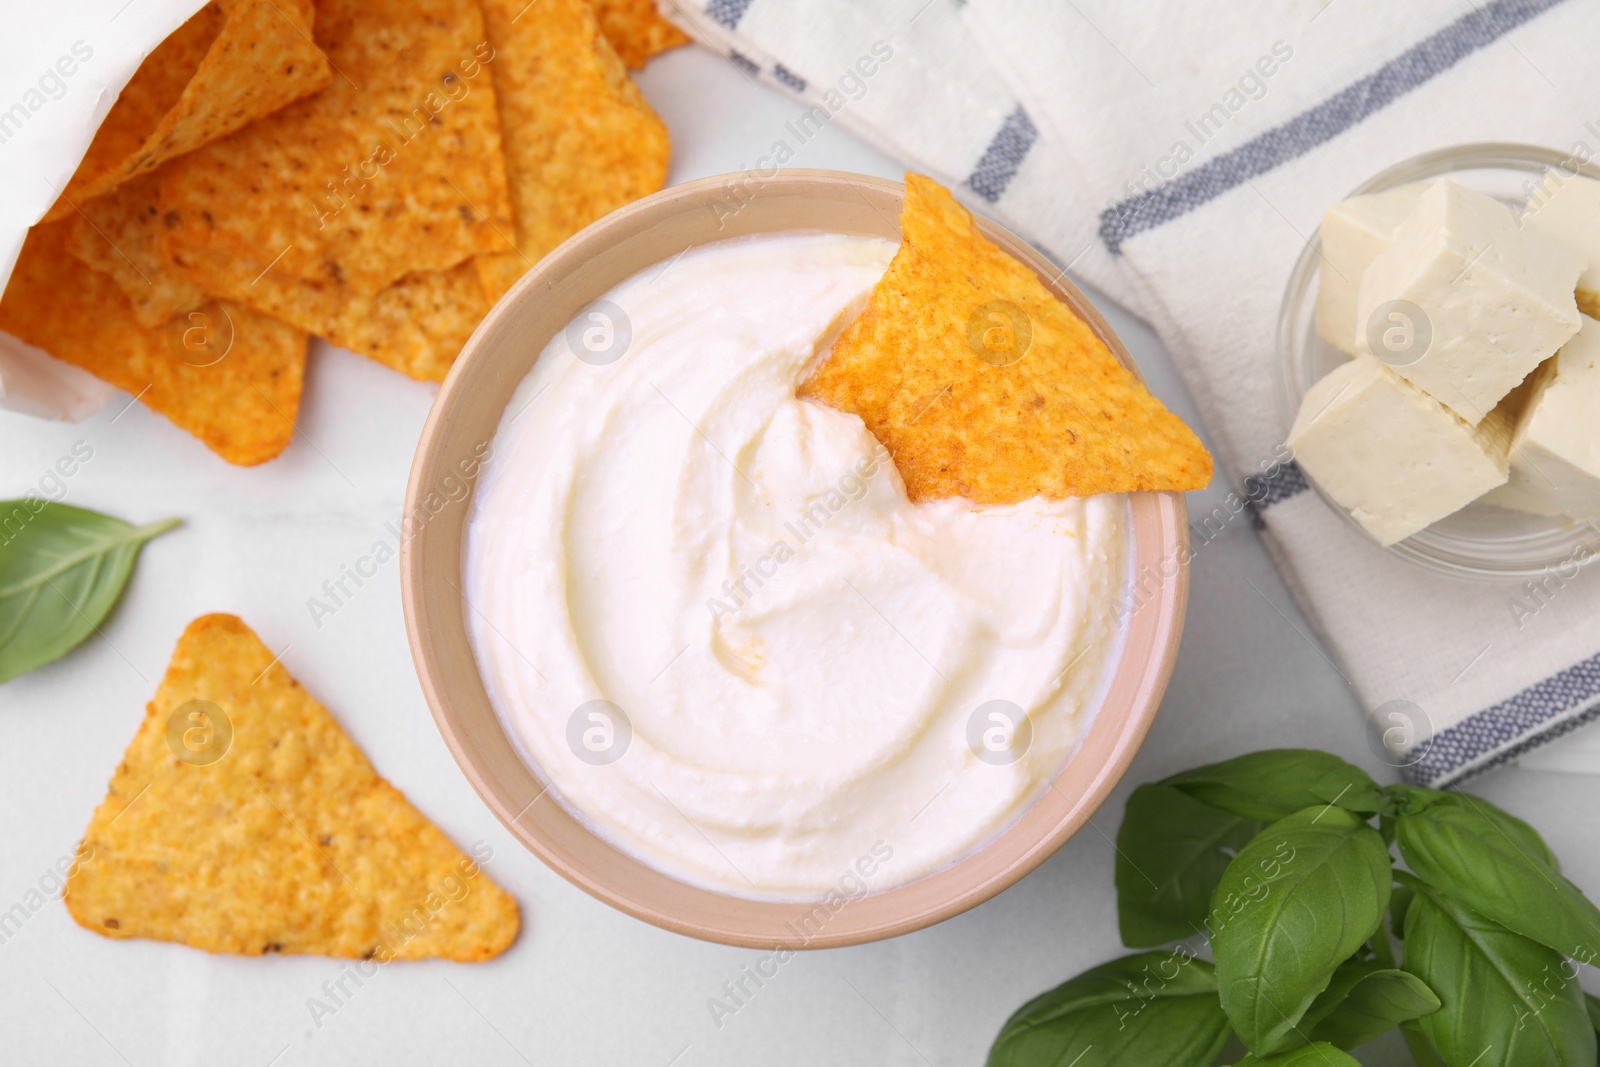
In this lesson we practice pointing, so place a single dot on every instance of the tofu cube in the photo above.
(1567, 207)
(1353, 234)
(1466, 302)
(1391, 455)
(1555, 443)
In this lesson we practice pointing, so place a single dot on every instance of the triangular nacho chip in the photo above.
(227, 374)
(118, 234)
(395, 167)
(243, 819)
(417, 325)
(983, 385)
(228, 65)
(580, 139)
(636, 30)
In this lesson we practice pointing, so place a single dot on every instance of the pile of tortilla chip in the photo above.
(243, 819)
(983, 384)
(374, 172)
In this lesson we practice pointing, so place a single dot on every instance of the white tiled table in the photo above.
(584, 984)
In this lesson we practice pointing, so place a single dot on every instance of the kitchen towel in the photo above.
(1178, 155)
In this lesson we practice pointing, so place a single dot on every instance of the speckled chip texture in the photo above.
(636, 30)
(117, 234)
(395, 167)
(231, 63)
(580, 139)
(417, 325)
(983, 385)
(229, 375)
(272, 833)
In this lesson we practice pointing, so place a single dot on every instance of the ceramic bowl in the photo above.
(465, 416)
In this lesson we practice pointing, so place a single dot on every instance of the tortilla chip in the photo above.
(229, 65)
(580, 139)
(417, 325)
(395, 167)
(983, 385)
(636, 30)
(118, 234)
(273, 833)
(242, 405)
(150, 95)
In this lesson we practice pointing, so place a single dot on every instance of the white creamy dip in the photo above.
(721, 631)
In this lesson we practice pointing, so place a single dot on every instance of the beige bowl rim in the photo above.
(464, 417)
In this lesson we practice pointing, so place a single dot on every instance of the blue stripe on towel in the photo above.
(1338, 113)
(1003, 156)
(744, 63)
(727, 12)
(1282, 482)
(788, 77)
(1540, 713)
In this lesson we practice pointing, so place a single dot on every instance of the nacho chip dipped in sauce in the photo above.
(984, 385)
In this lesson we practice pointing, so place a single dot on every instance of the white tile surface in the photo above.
(584, 985)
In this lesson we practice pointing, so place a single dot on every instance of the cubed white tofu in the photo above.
(1353, 233)
(1466, 302)
(1515, 494)
(1555, 445)
(1567, 207)
(1391, 455)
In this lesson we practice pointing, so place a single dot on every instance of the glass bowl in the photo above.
(1481, 541)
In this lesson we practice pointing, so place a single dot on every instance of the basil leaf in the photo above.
(1276, 783)
(61, 572)
(1399, 901)
(1365, 1000)
(1415, 800)
(1153, 1007)
(1504, 998)
(1471, 851)
(1592, 1003)
(1320, 1054)
(1295, 902)
(1171, 852)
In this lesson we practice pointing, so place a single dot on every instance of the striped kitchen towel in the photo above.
(1178, 155)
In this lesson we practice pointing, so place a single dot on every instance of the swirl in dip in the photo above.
(719, 629)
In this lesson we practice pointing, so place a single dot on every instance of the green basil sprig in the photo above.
(1295, 903)
(62, 570)
(1274, 857)
(1505, 998)
(1320, 1054)
(1154, 1007)
(1364, 1001)
(1275, 783)
(1171, 852)
(1413, 801)
(1490, 864)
